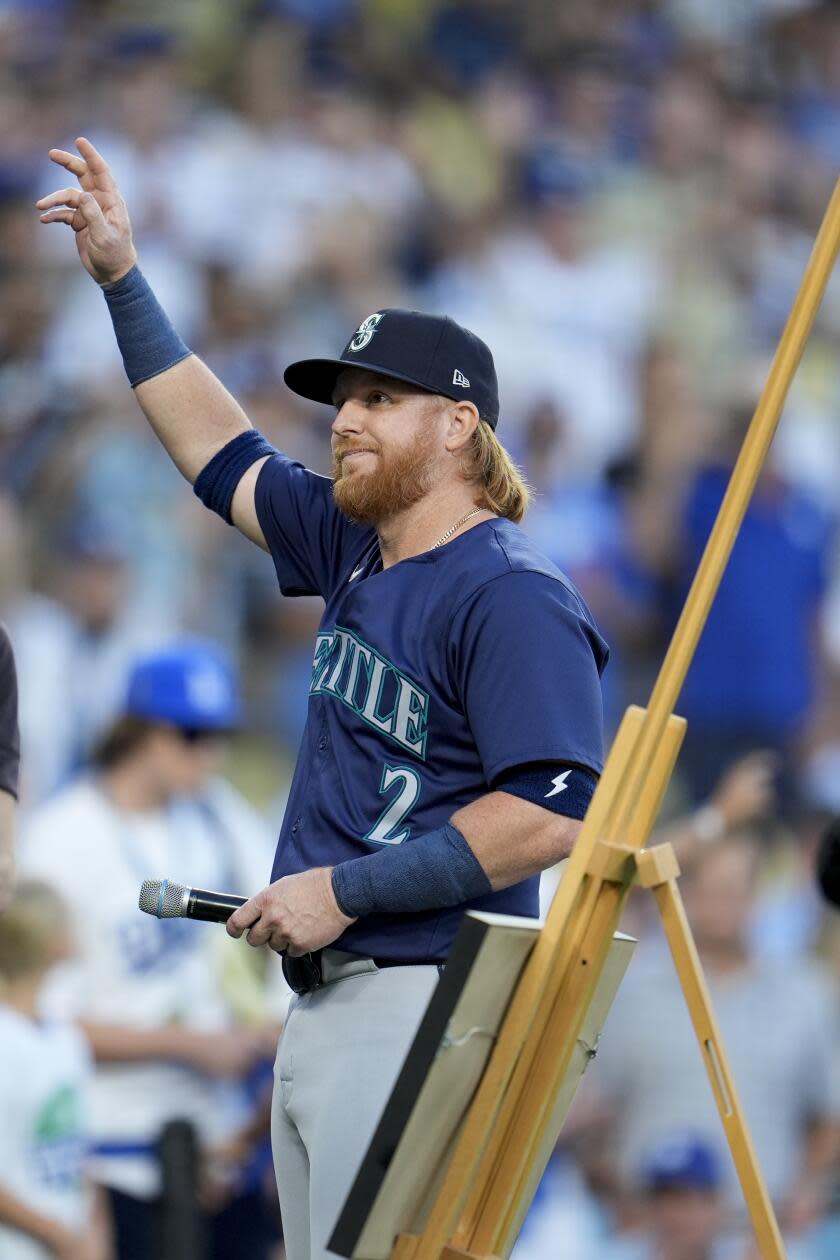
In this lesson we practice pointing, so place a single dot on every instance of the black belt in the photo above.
(306, 973)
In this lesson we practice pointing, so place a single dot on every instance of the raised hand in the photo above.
(95, 211)
(747, 790)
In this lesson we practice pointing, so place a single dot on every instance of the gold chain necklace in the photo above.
(445, 537)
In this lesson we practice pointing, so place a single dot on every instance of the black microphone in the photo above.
(166, 900)
(828, 862)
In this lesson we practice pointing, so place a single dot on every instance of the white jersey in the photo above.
(133, 969)
(45, 1078)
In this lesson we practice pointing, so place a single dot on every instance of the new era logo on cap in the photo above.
(410, 346)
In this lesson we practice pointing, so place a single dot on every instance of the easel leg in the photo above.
(658, 870)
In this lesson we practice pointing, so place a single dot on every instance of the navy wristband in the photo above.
(217, 481)
(148, 343)
(436, 870)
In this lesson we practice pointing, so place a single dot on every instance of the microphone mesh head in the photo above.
(161, 898)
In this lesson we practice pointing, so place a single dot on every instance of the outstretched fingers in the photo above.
(63, 197)
(91, 169)
(59, 216)
(72, 206)
(70, 200)
(70, 161)
(96, 164)
(95, 211)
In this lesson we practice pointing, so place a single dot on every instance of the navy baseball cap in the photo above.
(190, 684)
(429, 351)
(682, 1162)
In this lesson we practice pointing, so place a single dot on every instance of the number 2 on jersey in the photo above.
(385, 829)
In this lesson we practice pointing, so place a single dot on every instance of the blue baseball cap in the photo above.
(429, 351)
(190, 684)
(683, 1161)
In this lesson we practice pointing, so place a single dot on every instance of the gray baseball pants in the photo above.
(340, 1053)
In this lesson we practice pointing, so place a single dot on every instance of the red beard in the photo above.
(395, 482)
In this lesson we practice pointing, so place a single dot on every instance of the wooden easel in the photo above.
(493, 1169)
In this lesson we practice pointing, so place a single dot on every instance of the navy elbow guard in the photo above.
(562, 787)
(436, 870)
(216, 483)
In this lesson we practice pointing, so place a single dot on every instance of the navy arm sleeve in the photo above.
(527, 662)
(312, 545)
(9, 736)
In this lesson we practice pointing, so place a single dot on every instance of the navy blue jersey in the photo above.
(430, 679)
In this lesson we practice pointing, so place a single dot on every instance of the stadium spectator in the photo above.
(752, 635)
(48, 1206)
(570, 316)
(74, 642)
(682, 1214)
(779, 1028)
(147, 992)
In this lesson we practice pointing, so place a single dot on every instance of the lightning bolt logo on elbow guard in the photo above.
(558, 785)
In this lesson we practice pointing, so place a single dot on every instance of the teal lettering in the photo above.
(376, 679)
(344, 640)
(407, 721)
(361, 655)
(321, 663)
(411, 714)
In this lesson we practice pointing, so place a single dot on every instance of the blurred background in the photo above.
(620, 199)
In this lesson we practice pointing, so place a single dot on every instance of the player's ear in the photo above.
(462, 421)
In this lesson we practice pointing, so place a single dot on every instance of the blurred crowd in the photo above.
(620, 198)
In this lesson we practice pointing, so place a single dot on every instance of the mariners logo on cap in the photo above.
(365, 332)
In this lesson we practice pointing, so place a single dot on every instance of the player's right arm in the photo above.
(194, 416)
(189, 409)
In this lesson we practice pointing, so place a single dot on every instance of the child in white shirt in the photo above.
(47, 1206)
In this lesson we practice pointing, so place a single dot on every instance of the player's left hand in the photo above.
(295, 915)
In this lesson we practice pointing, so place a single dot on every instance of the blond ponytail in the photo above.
(502, 488)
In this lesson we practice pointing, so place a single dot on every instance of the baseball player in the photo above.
(454, 733)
